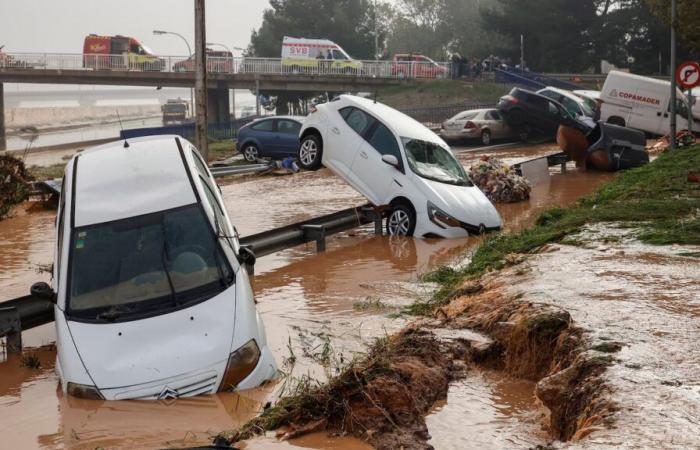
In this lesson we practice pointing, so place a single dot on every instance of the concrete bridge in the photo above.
(256, 74)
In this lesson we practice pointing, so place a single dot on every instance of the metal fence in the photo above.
(269, 66)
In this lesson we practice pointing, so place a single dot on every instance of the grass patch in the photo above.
(656, 199)
(440, 92)
(221, 149)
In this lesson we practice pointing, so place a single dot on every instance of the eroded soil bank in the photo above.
(597, 304)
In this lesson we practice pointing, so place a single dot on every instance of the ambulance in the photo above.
(300, 55)
(643, 103)
(119, 52)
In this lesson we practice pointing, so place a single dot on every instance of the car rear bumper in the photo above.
(461, 133)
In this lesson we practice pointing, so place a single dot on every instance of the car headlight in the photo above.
(240, 364)
(84, 391)
(441, 218)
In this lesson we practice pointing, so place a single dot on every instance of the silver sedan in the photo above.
(482, 124)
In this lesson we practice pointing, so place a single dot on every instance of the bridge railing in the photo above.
(268, 66)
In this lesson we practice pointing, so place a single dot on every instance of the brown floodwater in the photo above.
(322, 308)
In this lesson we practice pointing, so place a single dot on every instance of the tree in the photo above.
(349, 23)
(687, 23)
(557, 32)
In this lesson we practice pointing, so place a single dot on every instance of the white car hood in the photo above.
(465, 203)
(156, 348)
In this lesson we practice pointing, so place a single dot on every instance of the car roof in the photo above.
(398, 122)
(297, 118)
(113, 182)
(563, 92)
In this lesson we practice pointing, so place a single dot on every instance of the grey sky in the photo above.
(61, 25)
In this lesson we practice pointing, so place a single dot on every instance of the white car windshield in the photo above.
(145, 265)
(434, 162)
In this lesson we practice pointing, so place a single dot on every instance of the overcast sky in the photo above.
(61, 25)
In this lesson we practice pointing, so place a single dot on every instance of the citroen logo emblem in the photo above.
(168, 395)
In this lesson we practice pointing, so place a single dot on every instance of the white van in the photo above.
(152, 298)
(641, 102)
(300, 55)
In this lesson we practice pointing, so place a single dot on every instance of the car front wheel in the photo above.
(250, 152)
(401, 221)
(310, 152)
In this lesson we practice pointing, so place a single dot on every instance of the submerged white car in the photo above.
(396, 162)
(152, 297)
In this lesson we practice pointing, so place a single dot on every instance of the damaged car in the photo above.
(401, 166)
(151, 291)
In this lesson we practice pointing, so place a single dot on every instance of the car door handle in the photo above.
(658, 114)
(363, 154)
(335, 130)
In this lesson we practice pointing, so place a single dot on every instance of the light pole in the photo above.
(189, 54)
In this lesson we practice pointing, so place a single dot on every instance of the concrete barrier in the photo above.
(64, 116)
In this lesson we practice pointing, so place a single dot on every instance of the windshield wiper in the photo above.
(113, 313)
(164, 257)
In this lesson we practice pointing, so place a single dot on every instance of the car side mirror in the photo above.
(391, 160)
(44, 291)
(246, 256)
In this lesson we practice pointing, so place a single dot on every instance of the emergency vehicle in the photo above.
(308, 55)
(119, 52)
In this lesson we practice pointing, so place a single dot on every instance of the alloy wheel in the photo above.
(250, 153)
(399, 223)
(308, 152)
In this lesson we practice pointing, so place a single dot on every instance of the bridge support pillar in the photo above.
(218, 105)
(3, 143)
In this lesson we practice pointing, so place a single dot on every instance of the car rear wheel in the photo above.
(401, 221)
(486, 137)
(250, 152)
(310, 152)
(615, 120)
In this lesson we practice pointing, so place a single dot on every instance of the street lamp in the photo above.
(189, 54)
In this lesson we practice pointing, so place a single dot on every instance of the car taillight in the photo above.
(512, 99)
(470, 125)
(241, 363)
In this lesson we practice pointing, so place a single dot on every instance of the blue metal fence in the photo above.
(216, 131)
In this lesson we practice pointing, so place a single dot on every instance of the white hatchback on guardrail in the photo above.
(398, 164)
(152, 297)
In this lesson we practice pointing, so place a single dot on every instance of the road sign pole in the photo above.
(200, 86)
(672, 143)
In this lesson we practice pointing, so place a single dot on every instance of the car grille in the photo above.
(204, 383)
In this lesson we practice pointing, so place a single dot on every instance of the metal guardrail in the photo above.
(23, 313)
(222, 65)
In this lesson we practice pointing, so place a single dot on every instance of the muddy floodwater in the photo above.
(319, 308)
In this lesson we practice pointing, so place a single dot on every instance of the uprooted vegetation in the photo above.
(14, 183)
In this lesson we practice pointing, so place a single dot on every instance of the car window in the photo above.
(286, 126)
(496, 115)
(466, 116)
(337, 54)
(263, 125)
(357, 120)
(215, 206)
(384, 142)
(571, 106)
(550, 94)
(199, 164)
(538, 102)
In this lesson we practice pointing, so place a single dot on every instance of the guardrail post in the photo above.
(375, 216)
(11, 328)
(317, 233)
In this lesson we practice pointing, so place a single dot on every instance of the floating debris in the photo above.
(499, 182)
(14, 183)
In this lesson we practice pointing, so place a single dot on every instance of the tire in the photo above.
(250, 153)
(615, 120)
(516, 118)
(401, 220)
(524, 132)
(310, 152)
(486, 137)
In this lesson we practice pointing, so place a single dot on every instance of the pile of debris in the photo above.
(14, 183)
(498, 181)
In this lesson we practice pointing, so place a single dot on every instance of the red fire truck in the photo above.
(119, 52)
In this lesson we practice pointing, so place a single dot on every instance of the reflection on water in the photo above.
(307, 301)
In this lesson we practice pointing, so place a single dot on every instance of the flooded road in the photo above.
(320, 308)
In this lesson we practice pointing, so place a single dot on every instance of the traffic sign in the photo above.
(688, 75)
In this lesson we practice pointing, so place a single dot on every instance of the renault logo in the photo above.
(168, 394)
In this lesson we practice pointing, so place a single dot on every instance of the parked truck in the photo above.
(119, 52)
(643, 103)
(175, 110)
